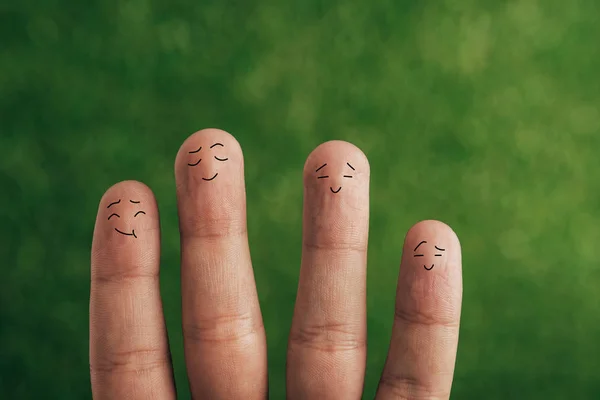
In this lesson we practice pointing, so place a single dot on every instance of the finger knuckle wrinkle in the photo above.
(225, 328)
(337, 246)
(136, 360)
(404, 387)
(328, 338)
(123, 275)
(205, 227)
(417, 317)
(215, 232)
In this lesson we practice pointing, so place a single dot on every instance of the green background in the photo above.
(483, 114)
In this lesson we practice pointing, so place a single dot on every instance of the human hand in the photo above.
(224, 337)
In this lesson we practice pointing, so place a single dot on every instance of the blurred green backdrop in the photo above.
(484, 114)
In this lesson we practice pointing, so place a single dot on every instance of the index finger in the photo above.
(129, 351)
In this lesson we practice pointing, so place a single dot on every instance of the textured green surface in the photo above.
(484, 114)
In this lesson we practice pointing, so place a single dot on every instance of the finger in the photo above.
(327, 345)
(129, 354)
(224, 338)
(420, 362)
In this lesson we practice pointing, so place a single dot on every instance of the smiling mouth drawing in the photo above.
(335, 191)
(127, 234)
(210, 179)
(429, 269)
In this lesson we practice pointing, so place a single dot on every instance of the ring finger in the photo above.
(327, 345)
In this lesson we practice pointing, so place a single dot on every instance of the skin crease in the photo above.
(223, 331)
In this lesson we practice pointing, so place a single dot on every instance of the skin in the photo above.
(224, 337)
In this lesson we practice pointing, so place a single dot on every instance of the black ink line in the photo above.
(112, 204)
(111, 215)
(429, 269)
(347, 176)
(216, 144)
(139, 212)
(135, 202)
(350, 166)
(418, 255)
(439, 248)
(193, 165)
(210, 179)
(335, 191)
(324, 176)
(438, 255)
(321, 167)
(424, 241)
(195, 151)
(127, 234)
(221, 159)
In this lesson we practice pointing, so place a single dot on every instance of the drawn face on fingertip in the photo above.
(322, 174)
(425, 249)
(215, 151)
(115, 216)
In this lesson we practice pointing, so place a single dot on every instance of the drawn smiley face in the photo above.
(327, 176)
(216, 157)
(115, 215)
(422, 255)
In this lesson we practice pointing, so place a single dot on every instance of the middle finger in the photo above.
(224, 337)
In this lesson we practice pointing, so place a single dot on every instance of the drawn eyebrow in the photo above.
(113, 203)
(216, 144)
(111, 215)
(348, 164)
(139, 212)
(321, 167)
(195, 151)
(424, 241)
(439, 248)
(135, 202)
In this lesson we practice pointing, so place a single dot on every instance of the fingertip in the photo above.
(205, 138)
(129, 192)
(336, 200)
(431, 227)
(127, 211)
(130, 188)
(431, 243)
(345, 156)
(205, 152)
(209, 174)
